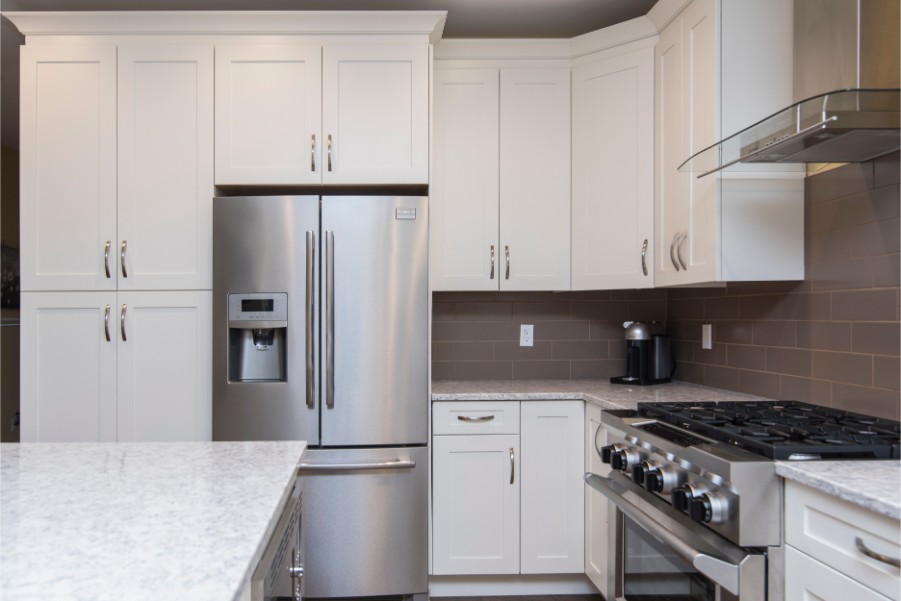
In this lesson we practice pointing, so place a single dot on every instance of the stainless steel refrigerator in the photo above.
(321, 334)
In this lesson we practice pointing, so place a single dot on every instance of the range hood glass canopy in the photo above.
(844, 126)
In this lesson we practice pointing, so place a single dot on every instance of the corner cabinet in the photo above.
(500, 193)
(116, 227)
(507, 487)
(613, 170)
(333, 114)
(745, 224)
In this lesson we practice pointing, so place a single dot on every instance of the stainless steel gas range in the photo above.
(695, 503)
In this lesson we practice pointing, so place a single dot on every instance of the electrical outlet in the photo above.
(526, 335)
(707, 336)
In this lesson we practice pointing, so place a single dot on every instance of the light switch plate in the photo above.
(526, 335)
(707, 336)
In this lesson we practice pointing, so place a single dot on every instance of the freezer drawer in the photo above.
(366, 524)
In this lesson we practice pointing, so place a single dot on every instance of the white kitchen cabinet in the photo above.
(501, 193)
(552, 502)
(107, 366)
(497, 510)
(476, 504)
(165, 166)
(164, 369)
(613, 170)
(307, 114)
(746, 224)
(822, 557)
(68, 167)
(596, 505)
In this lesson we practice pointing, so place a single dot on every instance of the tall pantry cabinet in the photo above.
(116, 226)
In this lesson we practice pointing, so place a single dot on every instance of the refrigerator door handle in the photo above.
(348, 467)
(329, 319)
(311, 361)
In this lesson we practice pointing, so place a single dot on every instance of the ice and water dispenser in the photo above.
(257, 337)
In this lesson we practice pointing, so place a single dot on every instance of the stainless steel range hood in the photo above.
(846, 90)
(844, 126)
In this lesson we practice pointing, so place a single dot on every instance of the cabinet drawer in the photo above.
(476, 417)
(806, 579)
(826, 527)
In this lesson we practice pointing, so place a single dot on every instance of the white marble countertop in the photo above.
(138, 521)
(875, 485)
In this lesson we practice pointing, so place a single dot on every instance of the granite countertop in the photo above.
(875, 485)
(98, 521)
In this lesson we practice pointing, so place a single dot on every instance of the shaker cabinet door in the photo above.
(165, 167)
(268, 114)
(68, 366)
(68, 167)
(375, 114)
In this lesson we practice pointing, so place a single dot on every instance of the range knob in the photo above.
(625, 459)
(708, 508)
(642, 471)
(681, 496)
(607, 452)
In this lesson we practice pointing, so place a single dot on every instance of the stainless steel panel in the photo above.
(258, 245)
(380, 311)
(366, 531)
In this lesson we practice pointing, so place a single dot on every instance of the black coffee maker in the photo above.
(649, 359)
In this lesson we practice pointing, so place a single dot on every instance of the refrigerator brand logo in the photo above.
(405, 213)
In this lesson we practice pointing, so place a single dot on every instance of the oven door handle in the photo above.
(722, 572)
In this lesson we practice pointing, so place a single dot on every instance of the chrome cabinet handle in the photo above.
(311, 361)
(106, 249)
(672, 252)
(349, 467)
(122, 258)
(863, 548)
(330, 319)
(644, 255)
(682, 239)
(492, 263)
(122, 321)
(313, 153)
(330, 152)
(507, 253)
(472, 418)
(512, 465)
(106, 323)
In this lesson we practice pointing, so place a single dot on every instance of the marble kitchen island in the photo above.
(137, 521)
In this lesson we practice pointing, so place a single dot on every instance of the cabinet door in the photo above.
(534, 179)
(268, 114)
(164, 366)
(68, 367)
(596, 529)
(475, 497)
(553, 509)
(464, 187)
(613, 173)
(806, 579)
(68, 167)
(375, 114)
(165, 167)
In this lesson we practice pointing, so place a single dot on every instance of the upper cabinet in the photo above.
(117, 169)
(613, 170)
(305, 114)
(500, 193)
(738, 226)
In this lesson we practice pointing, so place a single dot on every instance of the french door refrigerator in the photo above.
(321, 334)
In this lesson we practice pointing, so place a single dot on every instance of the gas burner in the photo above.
(785, 429)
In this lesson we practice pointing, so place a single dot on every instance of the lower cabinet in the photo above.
(596, 529)
(507, 487)
(107, 366)
(835, 550)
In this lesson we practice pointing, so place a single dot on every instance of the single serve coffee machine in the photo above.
(649, 359)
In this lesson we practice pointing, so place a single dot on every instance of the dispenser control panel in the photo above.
(256, 307)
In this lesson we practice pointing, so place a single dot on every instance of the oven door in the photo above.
(659, 554)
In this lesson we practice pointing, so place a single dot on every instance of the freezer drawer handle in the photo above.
(473, 418)
(353, 467)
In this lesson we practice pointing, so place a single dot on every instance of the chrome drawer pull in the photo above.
(492, 263)
(644, 255)
(122, 258)
(682, 239)
(672, 252)
(122, 321)
(863, 548)
(106, 323)
(471, 418)
(313, 153)
(507, 252)
(512, 465)
(106, 250)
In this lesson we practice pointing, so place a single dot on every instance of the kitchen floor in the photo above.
(527, 598)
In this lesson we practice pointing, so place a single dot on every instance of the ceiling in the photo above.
(465, 18)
